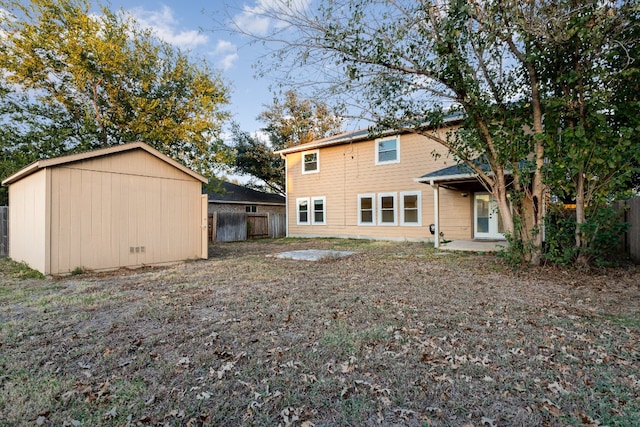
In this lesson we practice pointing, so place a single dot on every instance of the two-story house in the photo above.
(390, 188)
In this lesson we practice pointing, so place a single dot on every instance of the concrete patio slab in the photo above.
(313, 254)
(474, 245)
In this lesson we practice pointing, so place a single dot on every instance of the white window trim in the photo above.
(324, 211)
(317, 153)
(419, 203)
(373, 209)
(303, 199)
(395, 209)
(388, 162)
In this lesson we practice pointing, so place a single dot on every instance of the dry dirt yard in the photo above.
(395, 335)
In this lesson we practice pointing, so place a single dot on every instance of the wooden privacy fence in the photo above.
(4, 231)
(630, 212)
(236, 226)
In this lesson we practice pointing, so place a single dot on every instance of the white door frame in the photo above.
(492, 219)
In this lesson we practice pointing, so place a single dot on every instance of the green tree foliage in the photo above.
(291, 121)
(78, 80)
(295, 121)
(591, 76)
(256, 158)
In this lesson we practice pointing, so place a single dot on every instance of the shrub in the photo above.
(602, 232)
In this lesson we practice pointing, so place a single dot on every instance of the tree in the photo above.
(592, 106)
(256, 158)
(30, 130)
(289, 122)
(295, 121)
(111, 81)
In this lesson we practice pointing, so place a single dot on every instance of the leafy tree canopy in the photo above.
(74, 80)
(291, 121)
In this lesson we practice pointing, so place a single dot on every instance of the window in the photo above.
(410, 208)
(366, 209)
(387, 209)
(388, 150)
(318, 204)
(310, 161)
(302, 208)
(311, 210)
(251, 209)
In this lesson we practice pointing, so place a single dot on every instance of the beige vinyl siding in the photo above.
(349, 170)
(102, 208)
(456, 214)
(28, 220)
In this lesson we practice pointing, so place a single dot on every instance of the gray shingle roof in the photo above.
(239, 194)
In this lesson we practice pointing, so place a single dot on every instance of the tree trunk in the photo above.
(500, 192)
(580, 220)
(537, 202)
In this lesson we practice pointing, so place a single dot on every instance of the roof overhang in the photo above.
(244, 202)
(362, 135)
(57, 161)
(457, 178)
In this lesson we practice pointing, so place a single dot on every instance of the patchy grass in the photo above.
(394, 335)
(17, 270)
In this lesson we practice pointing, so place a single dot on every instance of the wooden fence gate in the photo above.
(257, 225)
(236, 226)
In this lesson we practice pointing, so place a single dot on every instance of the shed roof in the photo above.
(57, 161)
(232, 193)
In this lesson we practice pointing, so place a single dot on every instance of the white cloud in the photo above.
(229, 53)
(258, 19)
(224, 46)
(165, 26)
(228, 61)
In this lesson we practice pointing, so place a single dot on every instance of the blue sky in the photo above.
(189, 25)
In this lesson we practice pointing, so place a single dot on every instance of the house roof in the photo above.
(355, 136)
(57, 161)
(459, 173)
(342, 138)
(232, 193)
(455, 173)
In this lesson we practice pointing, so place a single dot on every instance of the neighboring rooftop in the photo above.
(232, 193)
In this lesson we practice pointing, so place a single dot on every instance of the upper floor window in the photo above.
(310, 161)
(388, 150)
(251, 208)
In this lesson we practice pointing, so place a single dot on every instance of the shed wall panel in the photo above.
(103, 220)
(27, 217)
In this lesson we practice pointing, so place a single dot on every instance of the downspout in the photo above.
(436, 213)
(286, 196)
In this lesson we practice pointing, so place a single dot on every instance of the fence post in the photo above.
(4, 231)
(633, 233)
